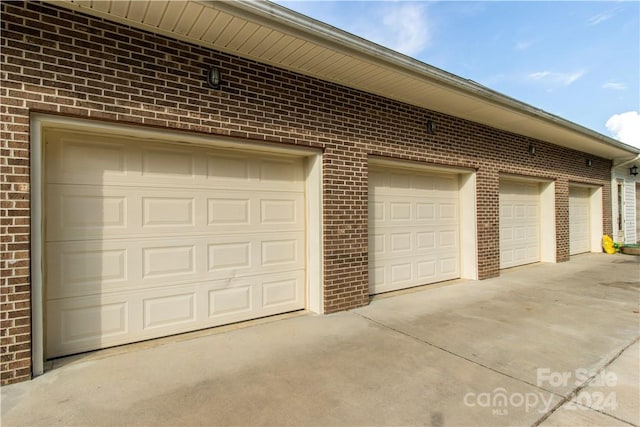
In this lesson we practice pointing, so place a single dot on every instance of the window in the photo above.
(620, 204)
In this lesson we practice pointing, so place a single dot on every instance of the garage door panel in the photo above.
(399, 273)
(84, 323)
(166, 211)
(91, 212)
(396, 210)
(426, 240)
(154, 239)
(449, 267)
(425, 211)
(279, 293)
(237, 300)
(76, 269)
(88, 268)
(78, 324)
(108, 161)
(84, 211)
(400, 211)
(160, 262)
(427, 269)
(164, 162)
(417, 240)
(413, 229)
(400, 242)
(279, 172)
(169, 311)
(96, 161)
(227, 168)
(519, 223)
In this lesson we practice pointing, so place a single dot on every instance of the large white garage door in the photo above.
(519, 223)
(579, 221)
(413, 229)
(146, 239)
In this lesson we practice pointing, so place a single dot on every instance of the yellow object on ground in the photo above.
(607, 245)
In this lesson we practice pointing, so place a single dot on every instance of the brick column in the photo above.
(562, 220)
(488, 225)
(346, 261)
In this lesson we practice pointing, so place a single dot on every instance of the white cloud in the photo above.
(404, 28)
(601, 17)
(523, 45)
(557, 79)
(398, 25)
(614, 86)
(625, 127)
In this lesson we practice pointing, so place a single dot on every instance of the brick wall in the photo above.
(63, 62)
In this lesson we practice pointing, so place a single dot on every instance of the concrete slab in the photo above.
(465, 354)
(336, 370)
(583, 417)
(615, 389)
(610, 398)
(530, 323)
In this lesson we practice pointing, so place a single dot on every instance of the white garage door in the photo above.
(519, 223)
(579, 221)
(147, 239)
(413, 229)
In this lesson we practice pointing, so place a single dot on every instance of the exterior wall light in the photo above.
(633, 170)
(589, 162)
(213, 78)
(532, 149)
(431, 127)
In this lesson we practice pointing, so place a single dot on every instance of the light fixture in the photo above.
(633, 170)
(213, 78)
(431, 127)
(532, 149)
(589, 162)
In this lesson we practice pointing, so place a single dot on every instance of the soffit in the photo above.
(272, 34)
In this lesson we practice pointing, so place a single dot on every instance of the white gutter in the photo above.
(288, 21)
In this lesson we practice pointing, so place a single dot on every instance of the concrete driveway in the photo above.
(546, 344)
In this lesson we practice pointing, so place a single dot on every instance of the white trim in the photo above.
(618, 235)
(37, 233)
(39, 122)
(419, 166)
(596, 217)
(468, 226)
(315, 294)
(548, 221)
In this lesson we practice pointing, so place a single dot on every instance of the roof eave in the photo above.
(471, 98)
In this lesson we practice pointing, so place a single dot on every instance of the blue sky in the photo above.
(576, 59)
